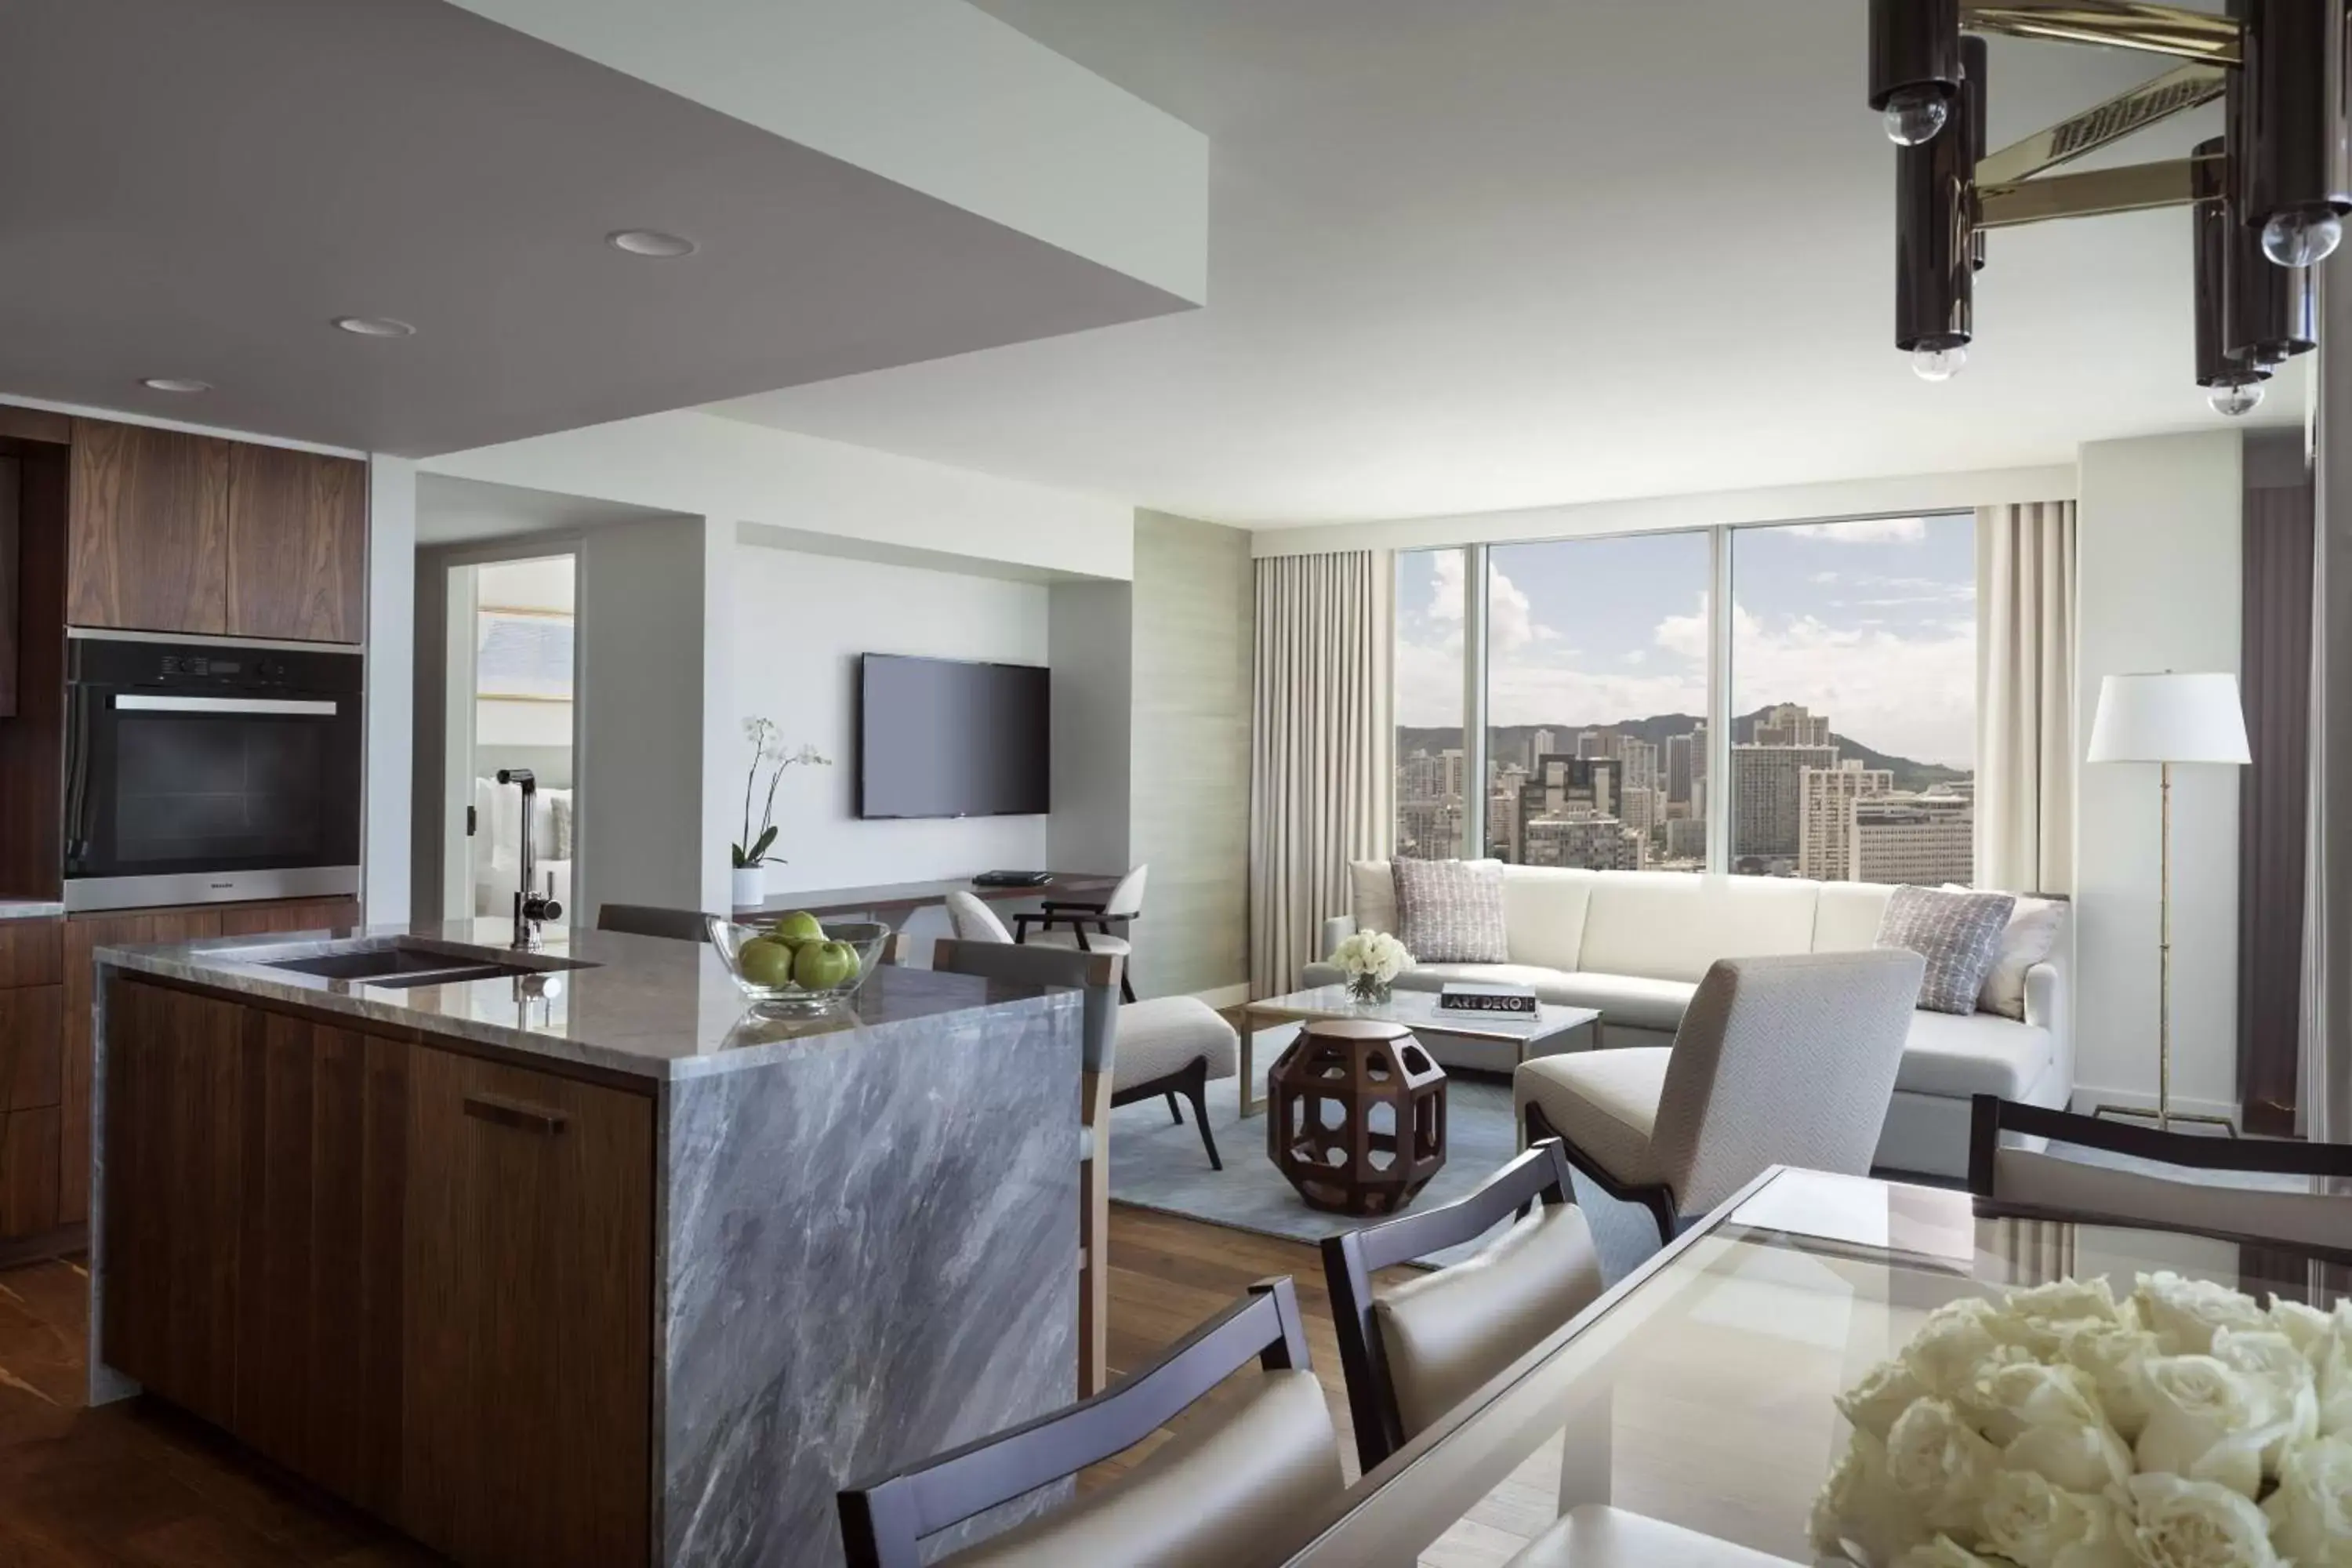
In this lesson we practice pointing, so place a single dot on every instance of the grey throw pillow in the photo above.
(1957, 933)
(1451, 911)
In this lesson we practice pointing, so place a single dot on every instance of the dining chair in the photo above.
(1414, 1351)
(2189, 1190)
(1236, 1486)
(1169, 1045)
(652, 919)
(1786, 1060)
(1069, 922)
(1095, 977)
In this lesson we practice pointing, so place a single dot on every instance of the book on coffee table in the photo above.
(1472, 996)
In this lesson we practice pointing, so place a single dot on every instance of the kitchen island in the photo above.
(582, 1264)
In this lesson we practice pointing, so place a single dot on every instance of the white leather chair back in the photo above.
(2309, 1210)
(973, 919)
(1126, 900)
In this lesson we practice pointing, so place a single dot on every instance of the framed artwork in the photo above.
(522, 656)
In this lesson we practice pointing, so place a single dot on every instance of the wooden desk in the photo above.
(895, 900)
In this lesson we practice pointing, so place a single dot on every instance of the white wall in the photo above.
(391, 687)
(2159, 525)
(800, 623)
(1092, 646)
(1893, 496)
(724, 468)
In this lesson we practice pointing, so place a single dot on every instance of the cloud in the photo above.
(1865, 530)
(1510, 618)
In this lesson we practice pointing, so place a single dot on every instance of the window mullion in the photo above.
(1474, 701)
(1719, 702)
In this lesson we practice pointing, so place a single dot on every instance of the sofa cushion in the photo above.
(1451, 911)
(1544, 907)
(1960, 1054)
(1604, 1103)
(2033, 931)
(1373, 892)
(1847, 919)
(1957, 933)
(1628, 1001)
(1671, 926)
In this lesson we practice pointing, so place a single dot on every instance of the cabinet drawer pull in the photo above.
(515, 1114)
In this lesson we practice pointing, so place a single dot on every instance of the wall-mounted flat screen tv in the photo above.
(939, 737)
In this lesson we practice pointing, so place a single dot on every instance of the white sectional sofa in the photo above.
(1634, 944)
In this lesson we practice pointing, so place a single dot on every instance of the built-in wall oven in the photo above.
(198, 772)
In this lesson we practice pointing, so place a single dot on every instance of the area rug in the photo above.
(1156, 1164)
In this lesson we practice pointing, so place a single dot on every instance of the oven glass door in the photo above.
(174, 783)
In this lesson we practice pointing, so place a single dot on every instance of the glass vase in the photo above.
(1368, 990)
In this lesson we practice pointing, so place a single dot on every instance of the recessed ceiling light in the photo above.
(650, 242)
(174, 383)
(374, 326)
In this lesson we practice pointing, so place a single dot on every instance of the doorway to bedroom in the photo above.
(513, 668)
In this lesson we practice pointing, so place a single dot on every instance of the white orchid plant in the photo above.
(769, 754)
(1371, 960)
(2184, 1426)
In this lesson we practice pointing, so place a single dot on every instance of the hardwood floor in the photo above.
(138, 1483)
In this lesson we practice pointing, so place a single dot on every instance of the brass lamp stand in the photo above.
(2167, 719)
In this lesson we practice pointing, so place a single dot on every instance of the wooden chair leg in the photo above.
(1174, 1115)
(1197, 1092)
(1094, 1241)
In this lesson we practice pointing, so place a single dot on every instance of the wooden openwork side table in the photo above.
(1320, 1131)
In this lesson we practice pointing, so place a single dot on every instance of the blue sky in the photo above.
(1873, 622)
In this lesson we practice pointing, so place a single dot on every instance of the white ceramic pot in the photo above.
(751, 886)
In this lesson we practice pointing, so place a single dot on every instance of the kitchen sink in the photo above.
(404, 965)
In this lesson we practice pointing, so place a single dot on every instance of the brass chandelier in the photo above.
(2270, 196)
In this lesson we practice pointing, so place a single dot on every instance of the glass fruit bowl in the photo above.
(799, 974)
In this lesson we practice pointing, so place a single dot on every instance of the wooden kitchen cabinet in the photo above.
(529, 1314)
(174, 532)
(32, 1062)
(297, 546)
(147, 530)
(421, 1279)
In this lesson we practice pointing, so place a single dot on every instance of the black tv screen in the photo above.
(938, 737)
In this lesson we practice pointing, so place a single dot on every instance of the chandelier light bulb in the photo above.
(1938, 365)
(1914, 115)
(2298, 238)
(2235, 398)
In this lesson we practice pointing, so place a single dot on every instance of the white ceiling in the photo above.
(1506, 253)
(197, 189)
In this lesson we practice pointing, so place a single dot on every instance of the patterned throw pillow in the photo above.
(1957, 933)
(1451, 911)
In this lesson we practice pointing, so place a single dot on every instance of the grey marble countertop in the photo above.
(647, 1006)
(29, 908)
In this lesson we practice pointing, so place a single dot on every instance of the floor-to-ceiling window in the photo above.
(1596, 702)
(1433, 766)
(1853, 700)
(1835, 742)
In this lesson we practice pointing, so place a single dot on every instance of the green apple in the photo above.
(798, 926)
(765, 963)
(821, 966)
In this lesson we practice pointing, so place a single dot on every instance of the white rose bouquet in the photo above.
(1371, 960)
(2184, 1426)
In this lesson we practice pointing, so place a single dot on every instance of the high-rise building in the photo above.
(1678, 769)
(1540, 744)
(1503, 837)
(1564, 785)
(1825, 824)
(1641, 759)
(1792, 724)
(1593, 743)
(1767, 798)
(1925, 840)
(1455, 773)
(1587, 841)
(1429, 830)
(1686, 839)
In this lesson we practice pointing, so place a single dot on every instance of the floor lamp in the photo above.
(2167, 719)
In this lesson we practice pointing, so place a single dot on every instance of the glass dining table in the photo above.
(1699, 1391)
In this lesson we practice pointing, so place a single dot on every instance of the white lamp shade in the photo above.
(2168, 719)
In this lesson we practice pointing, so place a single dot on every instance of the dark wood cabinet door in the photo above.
(529, 1370)
(297, 546)
(83, 935)
(175, 1124)
(147, 529)
(32, 1060)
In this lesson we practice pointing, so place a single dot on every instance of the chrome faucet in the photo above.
(531, 906)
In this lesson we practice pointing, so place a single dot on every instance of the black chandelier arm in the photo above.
(2110, 23)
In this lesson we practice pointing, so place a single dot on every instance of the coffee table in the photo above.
(1417, 1010)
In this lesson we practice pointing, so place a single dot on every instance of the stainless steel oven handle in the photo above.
(140, 702)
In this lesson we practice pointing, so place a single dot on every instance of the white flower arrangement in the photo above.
(2181, 1428)
(1370, 957)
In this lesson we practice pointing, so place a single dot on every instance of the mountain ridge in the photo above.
(1510, 741)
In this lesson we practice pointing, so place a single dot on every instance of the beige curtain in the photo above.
(2025, 696)
(1318, 753)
